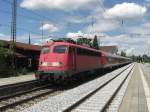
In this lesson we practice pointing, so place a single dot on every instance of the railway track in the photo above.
(10, 101)
(95, 96)
(17, 84)
(90, 101)
(17, 87)
(13, 95)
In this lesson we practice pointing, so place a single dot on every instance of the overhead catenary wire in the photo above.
(22, 29)
(101, 5)
(21, 15)
(30, 11)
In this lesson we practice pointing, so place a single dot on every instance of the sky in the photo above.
(125, 23)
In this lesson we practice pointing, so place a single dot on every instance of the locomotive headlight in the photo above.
(55, 64)
(45, 64)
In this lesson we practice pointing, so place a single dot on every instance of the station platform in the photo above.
(137, 96)
(17, 79)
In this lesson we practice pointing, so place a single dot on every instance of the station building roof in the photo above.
(23, 45)
(109, 49)
(23, 50)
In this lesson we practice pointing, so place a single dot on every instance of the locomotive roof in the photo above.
(85, 47)
(71, 44)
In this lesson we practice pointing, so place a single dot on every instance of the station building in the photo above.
(26, 55)
(109, 49)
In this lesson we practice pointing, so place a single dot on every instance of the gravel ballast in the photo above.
(62, 101)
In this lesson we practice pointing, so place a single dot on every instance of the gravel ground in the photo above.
(64, 100)
(32, 102)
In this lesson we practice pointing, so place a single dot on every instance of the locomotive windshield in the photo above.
(60, 49)
(45, 50)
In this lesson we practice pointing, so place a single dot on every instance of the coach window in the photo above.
(60, 49)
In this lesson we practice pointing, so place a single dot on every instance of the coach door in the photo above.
(72, 58)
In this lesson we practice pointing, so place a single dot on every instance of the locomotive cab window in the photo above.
(60, 49)
(45, 50)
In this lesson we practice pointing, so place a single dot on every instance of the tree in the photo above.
(145, 58)
(95, 43)
(84, 41)
(3, 51)
(139, 59)
(123, 54)
(5, 56)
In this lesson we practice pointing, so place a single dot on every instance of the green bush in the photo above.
(5, 68)
(24, 71)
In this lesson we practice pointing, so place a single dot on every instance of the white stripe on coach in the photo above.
(146, 88)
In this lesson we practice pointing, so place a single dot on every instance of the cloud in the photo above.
(125, 10)
(102, 26)
(148, 43)
(80, 34)
(95, 14)
(77, 35)
(4, 36)
(77, 19)
(129, 51)
(111, 44)
(49, 27)
(74, 35)
(137, 31)
(140, 30)
(66, 5)
(116, 40)
(147, 25)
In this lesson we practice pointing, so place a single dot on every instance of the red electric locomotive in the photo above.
(60, 60)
